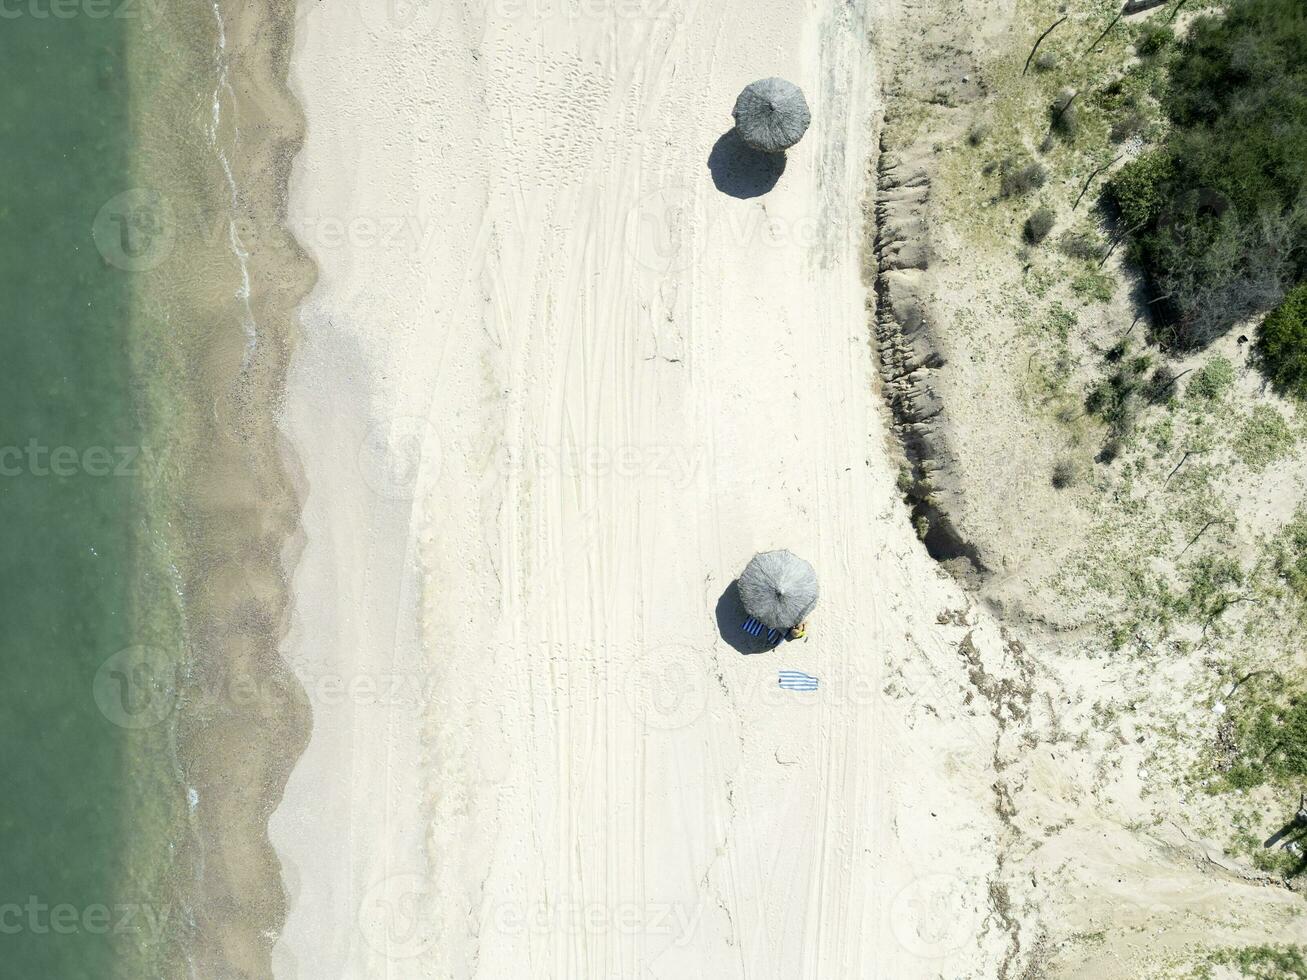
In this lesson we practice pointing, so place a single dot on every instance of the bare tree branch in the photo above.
(1031, 56)
(1101, 36)
(1091, 180)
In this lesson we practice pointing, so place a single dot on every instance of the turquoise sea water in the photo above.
(74, 458)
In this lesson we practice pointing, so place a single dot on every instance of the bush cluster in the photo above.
(1133, 123)
(1153, 38)
(1063, 116)
(1212, 380)
(1282, 340)
(1218, 212)
(1117, 399)
(1014, 179)
(1038, 225)
(1081, 245)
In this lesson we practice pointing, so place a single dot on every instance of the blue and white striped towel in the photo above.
(797, 680)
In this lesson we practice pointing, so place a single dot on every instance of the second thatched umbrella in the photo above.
(771, 115)
(778, 589)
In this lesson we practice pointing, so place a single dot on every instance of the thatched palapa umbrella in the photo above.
(778, 589)
(771, 115)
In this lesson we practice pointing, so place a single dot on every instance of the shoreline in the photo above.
(224, 502)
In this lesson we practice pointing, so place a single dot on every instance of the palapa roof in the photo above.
(771, 115)
(778, 589)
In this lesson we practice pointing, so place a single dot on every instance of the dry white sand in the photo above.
(554, 390)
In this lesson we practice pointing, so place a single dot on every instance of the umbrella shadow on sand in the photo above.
(731, 616)
(741, 171)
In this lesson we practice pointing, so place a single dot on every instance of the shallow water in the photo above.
(93, 808)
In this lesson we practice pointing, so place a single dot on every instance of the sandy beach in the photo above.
(543, 423)
(408, 397)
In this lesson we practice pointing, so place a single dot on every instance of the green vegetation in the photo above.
(1289, 557)
(1212, 380)
(1093, 286)
(1063, 116)
(1282, 340)
(1082, 244)
(1263, 438)
(1152, 38)
(1118, 399)
(1139, 189)
(1127, 102)
(1066, 473)
(1015, 180)
(1264, 962)
(977, 133)
(1272, 741)
(1217, 210)
(1038, 225)
(1268, 713)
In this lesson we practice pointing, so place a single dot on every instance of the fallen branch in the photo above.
(1061, 112)
(1139, 6)
(1183, 459)
(1195, 538)
(1224, 606)
(1249, 676)
(1118, 240)
(1091, 180)
(1171, 384)
(1031, 56)
(1101, 36)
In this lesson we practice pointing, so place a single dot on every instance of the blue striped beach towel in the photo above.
(755, 627)
(797, 680)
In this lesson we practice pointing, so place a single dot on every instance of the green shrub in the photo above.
(1218, 207)
(1289, 554)
(1282, 340)
(1038, 225)
(1133, 123)
(1212, 380)
(1265, 962)
(1081, 245)
(1110, 451)
(1116, 399)
(1272, 740)
(1016, 180)
(1066, 473)
(1063, 116)
(1140, 188)
(1161, 386)
(1093, 286)
(1263, 438)
(1153, 38)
